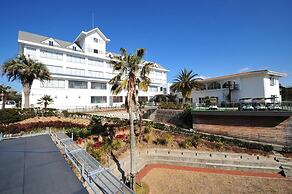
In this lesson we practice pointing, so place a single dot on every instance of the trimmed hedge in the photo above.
(8, 116)
(17, 128)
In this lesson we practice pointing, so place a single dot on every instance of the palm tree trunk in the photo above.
(184, 100)
(132, 146)
(26, 91)
(3, 100)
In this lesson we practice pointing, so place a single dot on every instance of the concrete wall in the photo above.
(166, 116)
(191, 158)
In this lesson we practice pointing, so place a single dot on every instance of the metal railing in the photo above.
(97, 177)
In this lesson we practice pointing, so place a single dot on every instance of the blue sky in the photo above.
(211, 37)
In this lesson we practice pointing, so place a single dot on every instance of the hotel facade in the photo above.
(80, 71)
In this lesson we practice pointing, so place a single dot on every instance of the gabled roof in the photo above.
(83, 34)
(250, 73)
(35, 38)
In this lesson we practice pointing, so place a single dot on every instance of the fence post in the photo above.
(72, 136)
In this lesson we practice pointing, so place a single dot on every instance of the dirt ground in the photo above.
(168, 181)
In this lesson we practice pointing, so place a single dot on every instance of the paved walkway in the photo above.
(34, 165)
(149, 167)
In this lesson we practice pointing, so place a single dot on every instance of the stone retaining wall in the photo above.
(275, 130)
(231, 161)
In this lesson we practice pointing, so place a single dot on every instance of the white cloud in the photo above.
(244, 69)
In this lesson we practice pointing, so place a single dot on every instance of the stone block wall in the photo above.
(275, 130)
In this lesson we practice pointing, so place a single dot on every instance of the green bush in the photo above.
(160, 141)
(9, 116)
(116, 144)
(170, 105)
(160, 126)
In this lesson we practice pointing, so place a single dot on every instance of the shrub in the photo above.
(195, 140)
(168, 138)
(170, 105)
(186, 143)
(116, 144)
(146, 138)
(160, 141)
(9, 116)
(159, 126)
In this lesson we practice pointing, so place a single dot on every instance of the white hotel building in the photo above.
(80, 71)
(231, 88)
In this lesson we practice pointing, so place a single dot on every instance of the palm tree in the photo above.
(4, 91)
(26, 70)
(185, 82)
(45, 100)
(132, 75)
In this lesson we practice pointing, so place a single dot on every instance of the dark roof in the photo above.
(35, 165)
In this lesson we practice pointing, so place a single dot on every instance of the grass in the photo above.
(142, 188)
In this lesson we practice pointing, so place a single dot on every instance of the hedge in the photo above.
(8, 116)
(17, 127)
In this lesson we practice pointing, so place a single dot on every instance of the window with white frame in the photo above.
(31, 52)
(98, 85)
(92, 73)
(97, 63)
(75, 59)
(55, 69)
(74, 71)
(213, 85)
(117, 99)
(153, 89)
(53, 84)
(51, 55)
(98, 99)
(77, 84)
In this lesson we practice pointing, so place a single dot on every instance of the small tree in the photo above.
(4, 91)
(45, 101)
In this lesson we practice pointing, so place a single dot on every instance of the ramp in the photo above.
(99, 178)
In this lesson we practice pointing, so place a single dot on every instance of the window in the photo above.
(98, 99)
(117, 99)
(201, 100)
(77, 84)
(31, 52)
(95, 40)
(153, 89)
(53, 84)
(55, 69)
(51, 55)
(95, 73)
(74, 48)
(98, 85)
(214, 85)
(95, 51)
(97, 63)
(73, 71)
(75, 59)
(203, 87)
(272, 81)
(51, 43)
